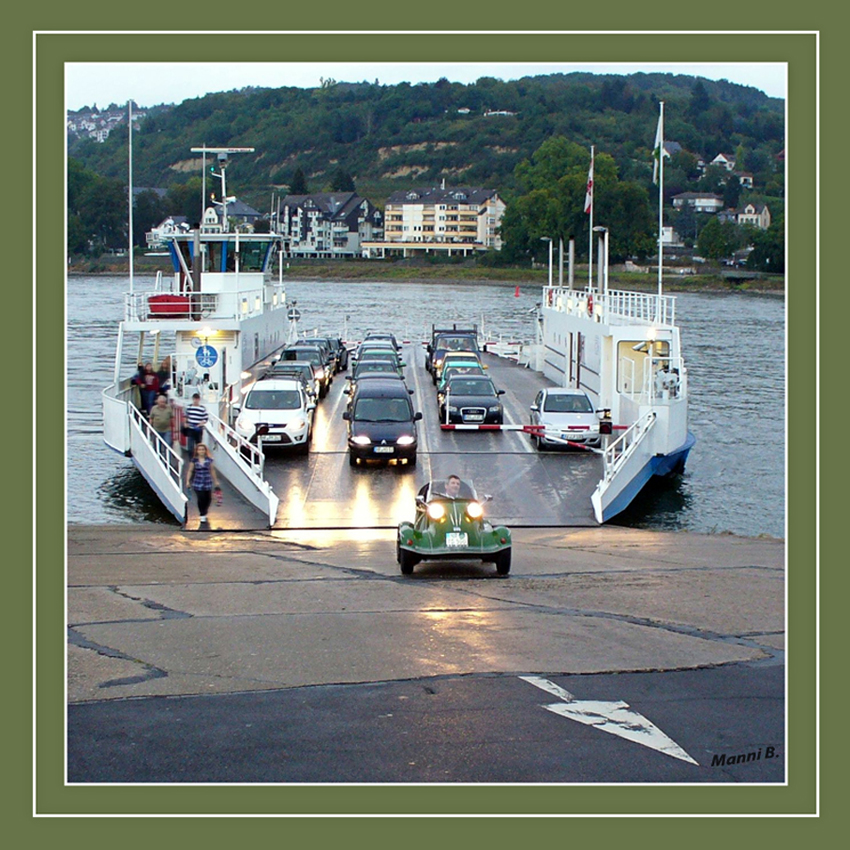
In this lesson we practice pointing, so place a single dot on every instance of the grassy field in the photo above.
(419, 271)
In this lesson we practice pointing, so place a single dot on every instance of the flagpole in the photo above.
(591, 193)
(130, 181)
(660, 202)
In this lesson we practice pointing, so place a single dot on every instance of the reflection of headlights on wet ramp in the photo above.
(474, 510)
(436, 510)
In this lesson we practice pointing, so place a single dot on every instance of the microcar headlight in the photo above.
(406, 440)
(436, 510)
(474, 510)
(361, 441)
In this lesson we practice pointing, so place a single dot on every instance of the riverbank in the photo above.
(676, 279)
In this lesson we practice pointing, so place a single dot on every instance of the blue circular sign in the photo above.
(206, 356)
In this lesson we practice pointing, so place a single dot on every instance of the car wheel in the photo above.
(352, 460)
(503, 562)
(541, 446)
(411, 461)
(406, 561)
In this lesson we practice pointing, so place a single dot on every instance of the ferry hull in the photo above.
(658, 465)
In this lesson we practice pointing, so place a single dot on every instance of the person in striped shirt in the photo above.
(196, 417)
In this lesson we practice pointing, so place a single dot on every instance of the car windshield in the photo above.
(449, 488)
(375, 366)
(464, 369)
(471, 386)
(457, 343)
(558, 403)
(273, 400)
(382, 410)
(312, 356)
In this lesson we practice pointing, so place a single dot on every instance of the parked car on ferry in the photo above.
(331, 361)
(375, 351)
(279, 411)
(567, 415)
(471, 400)
(375, 336)
(450, 525)
(300, 369)
(442, 341)
(314, 355)
(461, 367)
(381, 422)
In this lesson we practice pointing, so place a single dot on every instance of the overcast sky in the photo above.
(149, 84)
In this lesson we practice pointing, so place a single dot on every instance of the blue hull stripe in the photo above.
(659, 465)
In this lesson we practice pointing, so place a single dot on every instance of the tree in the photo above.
(341, 181)
(768, 254)
(148, 211)
(298, 184)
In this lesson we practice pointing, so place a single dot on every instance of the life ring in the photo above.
(590, 304)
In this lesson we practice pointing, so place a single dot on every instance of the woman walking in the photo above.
(202, 478)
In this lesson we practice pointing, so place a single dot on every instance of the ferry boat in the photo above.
(624, 350)
(218, 318)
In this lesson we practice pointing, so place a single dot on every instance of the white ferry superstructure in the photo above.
(624, 350)
(220, 315)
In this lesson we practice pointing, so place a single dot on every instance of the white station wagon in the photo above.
(279, 411)
(567, 415)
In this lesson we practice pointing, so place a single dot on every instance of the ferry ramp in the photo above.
(322, 491)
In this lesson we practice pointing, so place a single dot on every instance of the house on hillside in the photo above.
(157, 236)
(328, 224)
(724, 160)
(705, 202)
(755, 214)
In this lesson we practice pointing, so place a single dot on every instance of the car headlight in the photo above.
(242, 424)
(361, 441)
(452, 408)
(406, 440)
(474, 510)
(320, 373)
(436, 510)
(494, 408)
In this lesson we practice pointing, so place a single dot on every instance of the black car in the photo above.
(381, 422)
(338, 347)
(386, 337)
(471, 400)
(331, 361)
(316, 356)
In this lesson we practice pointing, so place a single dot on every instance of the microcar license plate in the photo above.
(457, 540)
(384, 450)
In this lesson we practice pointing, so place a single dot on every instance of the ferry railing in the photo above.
(161, 466)
(617, 453)
(636, 307)
(156, 304)
(241, 462)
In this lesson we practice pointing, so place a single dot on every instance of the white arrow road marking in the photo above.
(614, 717)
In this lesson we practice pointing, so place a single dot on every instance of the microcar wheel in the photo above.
(503, 562)
(407, 561)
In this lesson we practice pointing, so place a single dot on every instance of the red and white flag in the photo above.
(588, 198)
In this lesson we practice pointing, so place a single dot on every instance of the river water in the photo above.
(734, 347)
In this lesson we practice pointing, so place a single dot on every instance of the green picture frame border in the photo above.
(50, 50)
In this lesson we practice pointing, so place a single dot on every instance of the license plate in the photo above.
(384, 450)
(272, 438)
(455, 540)
(473, 418)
